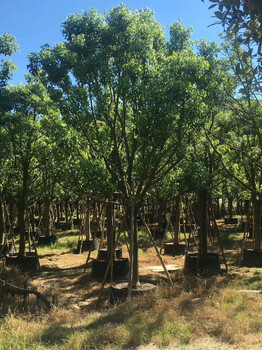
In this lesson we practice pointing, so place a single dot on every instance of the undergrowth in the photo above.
(191, 309)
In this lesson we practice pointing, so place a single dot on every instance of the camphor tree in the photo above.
(239, 150)
(52, 154)
(242, 21)
(23, 131)
(121, 89)
(8, 46)
(241, 16)
(217, 81)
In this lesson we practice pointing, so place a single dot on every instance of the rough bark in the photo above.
(135, 258)
(256, 222)
(66, 212)
(57, 213)
(230, 207)
(86, 225)
(110, 229)
(46, 222)
(32, 219)
(223, 207)
(177, 219)
(21, 224)
(203, 224)
(2, 220)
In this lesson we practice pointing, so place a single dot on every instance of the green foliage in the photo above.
(132, 103)
(242, 21)
(179, 37)
(8, 46)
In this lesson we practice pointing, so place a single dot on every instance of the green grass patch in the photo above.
(69, 242)
(229, 241)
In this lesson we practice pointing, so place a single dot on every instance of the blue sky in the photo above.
(35, 23)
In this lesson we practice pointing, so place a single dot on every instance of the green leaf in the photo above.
(219, 14)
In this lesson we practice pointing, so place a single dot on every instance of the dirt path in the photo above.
(62, 275)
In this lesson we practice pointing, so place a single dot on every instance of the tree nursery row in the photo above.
(118, 129)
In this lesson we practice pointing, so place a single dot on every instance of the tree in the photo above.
(243, 22)
(241, 16)
(179, 37)
(22, 127)
(8, 46)
(129, 98)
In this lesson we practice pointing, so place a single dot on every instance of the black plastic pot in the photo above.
(6, 249)
(77, 222)
(86, 246)
(149, 218)
(63, 226)
(102, 254)
(118, 292)
(158, 234)
(47, 240)
(204, 266)
(174, 249)
(188, 228)
(231, 221)
(139, 223)
(98, 234)
(24, 263)
(252, 258)
(120, 269)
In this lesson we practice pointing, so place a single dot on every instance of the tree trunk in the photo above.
(110, 229)
(246, 206)
(256, 222)
(217, 213)
(46, 222)
(32, 219)
(39, 210)
(77, 210)
(135, 257)
(203, 224)
(177, 220)
(11, 214)
(2, 220)
(21, 225)
(57, 213)
(132, 224)
(66, 212)
(161, 215)
(230, 207)
(86, 226)
(238, 209)
(223, 207)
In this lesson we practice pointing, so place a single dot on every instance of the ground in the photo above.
(195, 313)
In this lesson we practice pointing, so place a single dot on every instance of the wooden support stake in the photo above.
(156, 249)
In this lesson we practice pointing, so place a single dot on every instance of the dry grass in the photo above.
(169, 315)
(178, 316)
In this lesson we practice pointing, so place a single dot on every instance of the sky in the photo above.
(38, 22)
